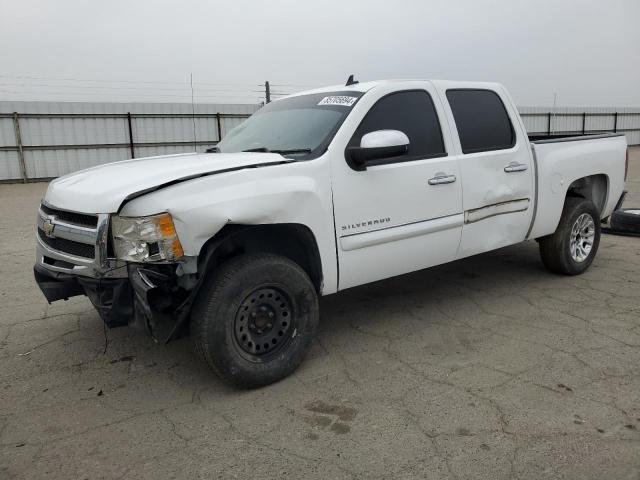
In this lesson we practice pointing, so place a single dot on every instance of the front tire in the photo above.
(254, 319)
(573, 246)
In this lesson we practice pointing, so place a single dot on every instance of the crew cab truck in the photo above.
(315, 193)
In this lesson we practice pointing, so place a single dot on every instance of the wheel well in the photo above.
(291, 240)
(593, 187)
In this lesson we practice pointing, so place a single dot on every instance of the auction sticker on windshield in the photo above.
(338, 100)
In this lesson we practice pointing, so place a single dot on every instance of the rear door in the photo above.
(390, 219)
(496, 168)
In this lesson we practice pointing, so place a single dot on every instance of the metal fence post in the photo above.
(219, 125)
(584, 121)
(131, 145)
(615, 123)
(16, 130)
(549, 124)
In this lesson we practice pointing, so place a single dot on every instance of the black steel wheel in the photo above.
(254, 319)
(264, 323)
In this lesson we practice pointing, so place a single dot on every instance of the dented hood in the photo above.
(104, 188)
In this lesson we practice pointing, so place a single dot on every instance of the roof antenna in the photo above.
(351, 81)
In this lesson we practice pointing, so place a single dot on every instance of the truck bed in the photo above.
(572, 137)
(597, 161)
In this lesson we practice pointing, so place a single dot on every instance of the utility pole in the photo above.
(555, 103)
(267, 91)
(193, 116)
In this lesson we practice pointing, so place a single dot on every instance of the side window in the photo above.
(411, 112)
(482, 121)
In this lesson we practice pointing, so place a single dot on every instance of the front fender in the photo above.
(298, 193)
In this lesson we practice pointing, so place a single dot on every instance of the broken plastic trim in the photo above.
(150, 287)
(57, 286)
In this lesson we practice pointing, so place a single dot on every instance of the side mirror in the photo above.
(376, 146)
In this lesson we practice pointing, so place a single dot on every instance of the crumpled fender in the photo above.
(291, 193)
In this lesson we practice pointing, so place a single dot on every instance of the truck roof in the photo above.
(366, 86)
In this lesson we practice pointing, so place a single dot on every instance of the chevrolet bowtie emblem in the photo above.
(48, 228)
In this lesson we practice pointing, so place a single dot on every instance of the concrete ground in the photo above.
(489, 367)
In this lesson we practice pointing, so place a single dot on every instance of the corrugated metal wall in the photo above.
(62, 137)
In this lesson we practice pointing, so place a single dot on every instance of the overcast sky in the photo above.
(588, 51)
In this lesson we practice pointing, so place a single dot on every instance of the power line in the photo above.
(154, 82)
(186, 93)
(227, 84)
(292, 85)
(93, 87)
(71, 79)
(129, 90)
(134, 95)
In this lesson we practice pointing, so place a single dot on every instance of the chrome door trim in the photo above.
(502, 208)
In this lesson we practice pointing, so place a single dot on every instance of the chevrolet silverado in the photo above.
(316, 193)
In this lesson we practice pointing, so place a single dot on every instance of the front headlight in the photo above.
(145, 239)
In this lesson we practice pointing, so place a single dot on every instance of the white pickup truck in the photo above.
(315, 193)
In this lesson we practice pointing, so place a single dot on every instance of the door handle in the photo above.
(515, 167)
(441, 179)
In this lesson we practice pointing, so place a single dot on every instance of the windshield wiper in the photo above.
(281, 152)
(293, 150)
(257, 149)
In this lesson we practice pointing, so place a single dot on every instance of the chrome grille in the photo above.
(75, 218)
(70, 237)
(71, 247)
(75, 243)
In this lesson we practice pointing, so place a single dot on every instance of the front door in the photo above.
(401, 214)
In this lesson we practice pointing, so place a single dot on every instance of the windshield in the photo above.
(301, 127)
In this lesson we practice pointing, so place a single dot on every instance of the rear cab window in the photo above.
(481, 119)
(411, 112)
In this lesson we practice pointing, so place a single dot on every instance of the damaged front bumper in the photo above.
(73, 258)
(148, 298)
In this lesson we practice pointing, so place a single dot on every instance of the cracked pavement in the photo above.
(489, 367)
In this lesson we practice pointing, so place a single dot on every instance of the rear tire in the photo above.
(573, 246)
(254, 319)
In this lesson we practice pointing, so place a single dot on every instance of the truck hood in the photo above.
(104, 188)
